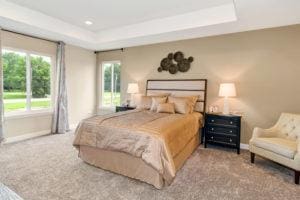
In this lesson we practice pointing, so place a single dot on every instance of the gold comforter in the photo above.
(154, 137)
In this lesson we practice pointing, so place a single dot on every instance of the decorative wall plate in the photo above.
(165, 63)
(173, 69)
(178, 56)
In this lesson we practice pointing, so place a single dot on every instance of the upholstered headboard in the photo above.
(181, 87)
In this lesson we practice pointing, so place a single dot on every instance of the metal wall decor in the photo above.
(175, 63)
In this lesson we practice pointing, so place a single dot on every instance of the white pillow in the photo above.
(156, 101)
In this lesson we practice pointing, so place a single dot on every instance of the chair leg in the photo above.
(297, 175)
(252, 157)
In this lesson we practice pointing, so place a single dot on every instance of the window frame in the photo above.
(29, 112)
(111, 106)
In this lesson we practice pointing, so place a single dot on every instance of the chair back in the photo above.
(288, 126)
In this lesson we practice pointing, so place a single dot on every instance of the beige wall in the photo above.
(80, 73)
(81, 83)
(264, 64)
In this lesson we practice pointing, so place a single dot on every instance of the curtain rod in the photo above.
(121, 49)
(27, 35)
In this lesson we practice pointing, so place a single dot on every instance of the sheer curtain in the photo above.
(1, 93)
(60, 122)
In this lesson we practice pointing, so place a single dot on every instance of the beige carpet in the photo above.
(48, 168)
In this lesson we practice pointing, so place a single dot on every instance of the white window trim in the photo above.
(28, 82)
(25, 114)
(110, 107)
(29, 112)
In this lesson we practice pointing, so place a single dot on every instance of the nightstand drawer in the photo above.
(224, 130)
(222, 121)
(223, 139)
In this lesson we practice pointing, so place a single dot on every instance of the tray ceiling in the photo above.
(129, 23)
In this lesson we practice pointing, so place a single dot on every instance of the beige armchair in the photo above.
(280, 143)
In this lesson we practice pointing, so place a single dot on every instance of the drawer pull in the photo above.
(230, 140)
(231, 122)
(212, 129)
(212, 120)
(230, 131)
(212, 137)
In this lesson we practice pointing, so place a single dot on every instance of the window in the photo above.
(26, 81)
(111, 74)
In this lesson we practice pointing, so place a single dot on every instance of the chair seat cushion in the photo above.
(281, 146)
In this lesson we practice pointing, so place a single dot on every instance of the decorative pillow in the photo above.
(144, 102)
(166, 108)
(183, 105)
(193, 102)
(156, 101)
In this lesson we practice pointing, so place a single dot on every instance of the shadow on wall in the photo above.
(255, 109)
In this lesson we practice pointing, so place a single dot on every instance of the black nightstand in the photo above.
(123, 108)
(223, 130)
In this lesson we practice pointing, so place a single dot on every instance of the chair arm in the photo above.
(259, 132)
(297, 156)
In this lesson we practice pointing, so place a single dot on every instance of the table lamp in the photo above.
(132, 88)
(227, 90)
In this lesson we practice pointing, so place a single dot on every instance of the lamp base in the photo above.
(226, 107)
(127, 102)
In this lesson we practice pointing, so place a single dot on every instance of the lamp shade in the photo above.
(132, 88)
(227, 90)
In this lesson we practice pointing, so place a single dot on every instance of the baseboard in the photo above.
(244, 146)
(26, 136)
(72, 126)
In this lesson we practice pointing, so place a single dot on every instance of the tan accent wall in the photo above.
(81, 83)
(264, 65)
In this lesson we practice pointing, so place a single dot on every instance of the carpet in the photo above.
(48, 168)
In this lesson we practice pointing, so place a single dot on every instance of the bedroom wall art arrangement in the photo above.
(175, 62)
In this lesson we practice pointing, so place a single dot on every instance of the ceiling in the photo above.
(109, 14)
(119, 24)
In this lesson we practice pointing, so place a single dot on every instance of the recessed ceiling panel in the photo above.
(125, 23)
(114, 13)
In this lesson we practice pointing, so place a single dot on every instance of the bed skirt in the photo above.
(133, 167)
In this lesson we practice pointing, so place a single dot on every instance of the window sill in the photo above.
(107, 108)
(27, 114)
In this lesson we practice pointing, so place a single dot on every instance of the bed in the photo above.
(141, 144)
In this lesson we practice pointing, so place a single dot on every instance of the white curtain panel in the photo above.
(1, 93)
(60, 122)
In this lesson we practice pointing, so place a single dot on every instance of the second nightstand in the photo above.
(123, 108)
(222, 129)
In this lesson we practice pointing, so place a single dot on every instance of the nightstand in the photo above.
(223, 130)
(123, 108)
